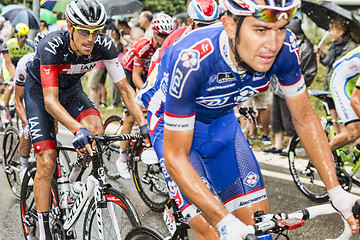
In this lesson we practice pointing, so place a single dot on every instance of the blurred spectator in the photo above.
(115, 96)
(125, 31)
(145, 21)
(281, 119)
(96, 83)
(343, 40)
(262, 103)
(43, 26)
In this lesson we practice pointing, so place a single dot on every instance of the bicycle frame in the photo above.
(95, 183)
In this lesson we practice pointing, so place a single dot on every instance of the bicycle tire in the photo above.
(5, 119)
(126, 215)
(28, 211)
(144, 233)
(305, 175)
(11, 159)
(149, 181)
(112, 126)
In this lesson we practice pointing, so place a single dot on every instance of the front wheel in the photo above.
(11, 160)
(144, 233)
(29, 218)
(116, 218)
(112, 126)
(305, 175)
(149, 180)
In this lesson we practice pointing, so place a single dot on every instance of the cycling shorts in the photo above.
(341, 90)
(224, 160)
(41, 123)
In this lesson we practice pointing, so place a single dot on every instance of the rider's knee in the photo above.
(46, 163)
(353, 135)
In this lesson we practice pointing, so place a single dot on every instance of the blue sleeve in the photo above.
(287, 67)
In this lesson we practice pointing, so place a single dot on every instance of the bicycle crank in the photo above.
(344, 179)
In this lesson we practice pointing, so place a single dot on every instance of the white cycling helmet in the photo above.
(40, 36)
(271, 11)
(203, 11)
(162, 24)
(86, 13)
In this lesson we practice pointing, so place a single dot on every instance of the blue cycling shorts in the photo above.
(223, 159)
(41, 123)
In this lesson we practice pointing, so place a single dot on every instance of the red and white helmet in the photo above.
(203, 11)
(162, 24)
(250, 7)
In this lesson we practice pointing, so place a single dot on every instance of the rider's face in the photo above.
(259, 42)
(83, 44)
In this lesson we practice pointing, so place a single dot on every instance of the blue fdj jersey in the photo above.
(197, 80)
(57, 65)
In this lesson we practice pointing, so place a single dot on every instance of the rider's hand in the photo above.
(144, 132)
(343, 202)
(231, 228)
(81, 142)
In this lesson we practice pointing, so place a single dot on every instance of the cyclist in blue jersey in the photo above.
(53, 91)
(209, 167)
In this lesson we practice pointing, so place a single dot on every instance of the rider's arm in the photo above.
(177, 145)
(355, 101)
(136, 77)
(9, 65)
(19, 105)
(311, 134)
(127, 92)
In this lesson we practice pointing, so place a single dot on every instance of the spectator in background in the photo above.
(262, 103)
(96, 83)
(125, 34)
(281, 119)
(115, 97)
(145, 21)
(43, 26)
(343, 41)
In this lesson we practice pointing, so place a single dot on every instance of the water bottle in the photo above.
(74, 173)
(265, 237)
(76, 190)
(64, 191)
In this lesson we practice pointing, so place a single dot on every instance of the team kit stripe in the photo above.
(179, 123)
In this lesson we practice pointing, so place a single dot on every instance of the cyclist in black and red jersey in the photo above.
(53, 91)
(136, 63)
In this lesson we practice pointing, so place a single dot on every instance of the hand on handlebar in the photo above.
(231, 228)
(81, 143)
(344, 202)
(144, 132)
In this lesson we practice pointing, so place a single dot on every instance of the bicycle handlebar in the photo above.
(249, 110)
(112, 138)
(271, 225)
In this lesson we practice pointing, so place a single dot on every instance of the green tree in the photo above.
(167, 6)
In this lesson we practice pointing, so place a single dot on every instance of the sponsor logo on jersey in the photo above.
(187, 62)
(162, 165)
(293, 46)
(106, 42)
(47, 71)
(21, 77)
(175, 192)
(353, 67)
(35, 132)
(54, 44)
(76, 68)
(251, 179)
(231, 98)
(258, 76)
(225, 77)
